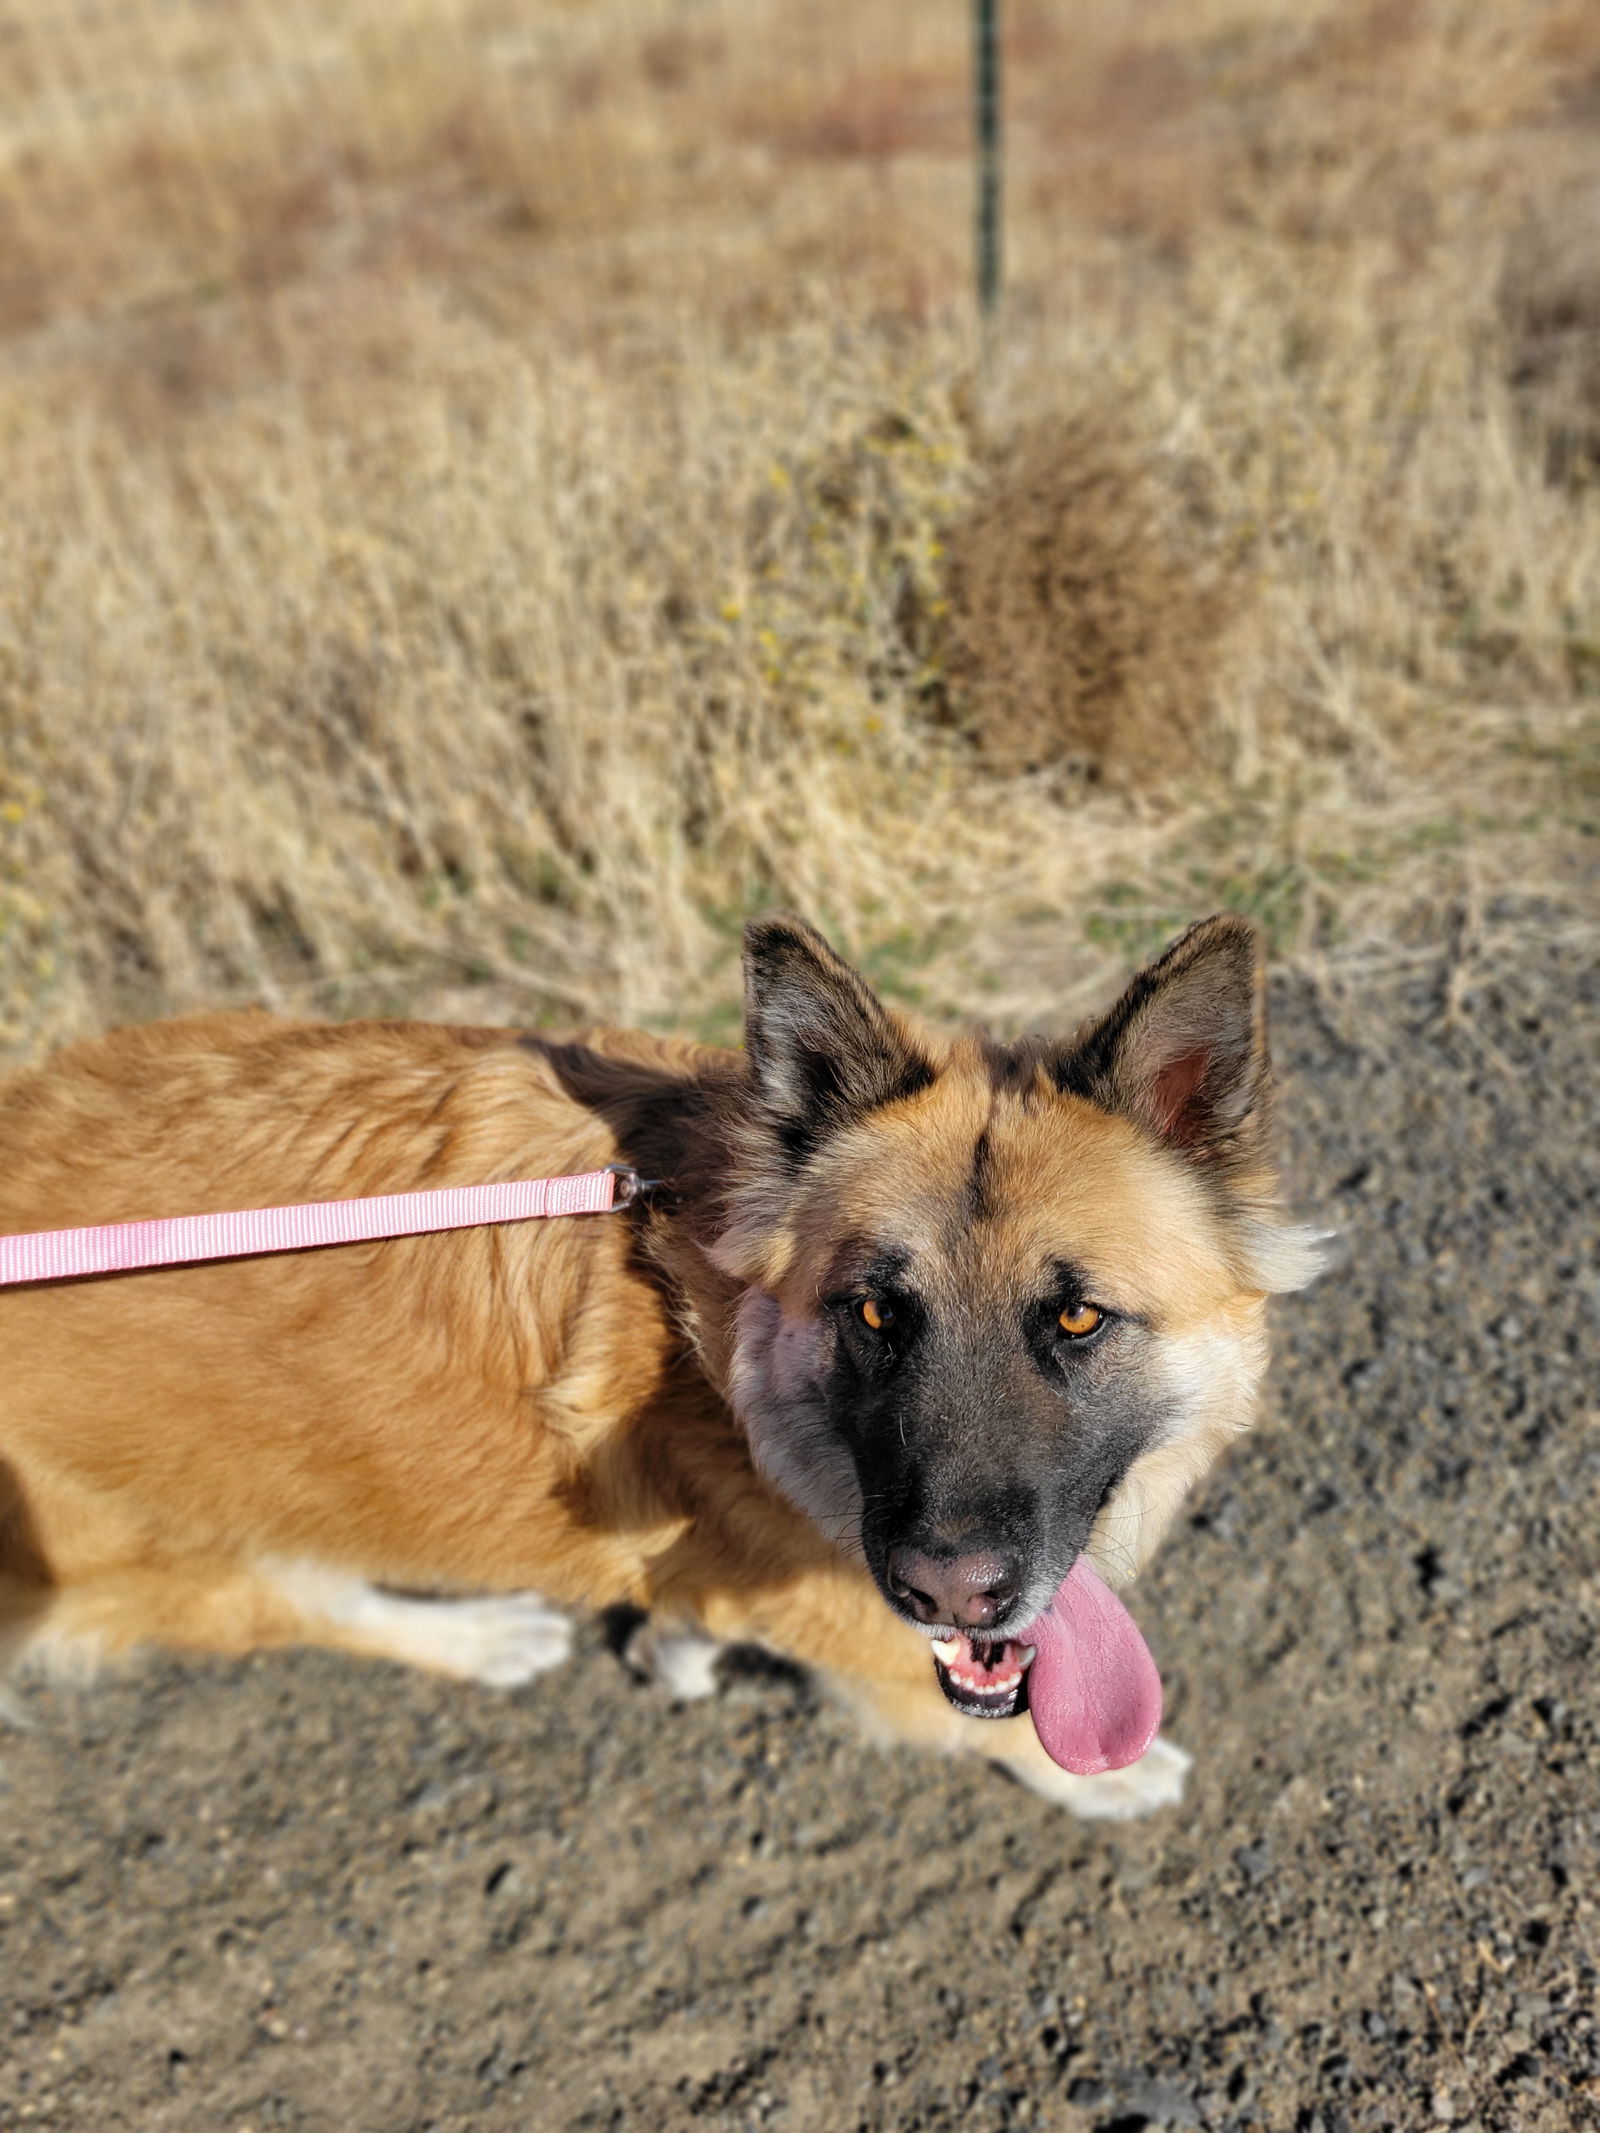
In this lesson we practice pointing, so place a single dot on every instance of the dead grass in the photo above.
(495, 494)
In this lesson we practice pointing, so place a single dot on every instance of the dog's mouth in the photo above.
(985, 1680)
(1085, 1676)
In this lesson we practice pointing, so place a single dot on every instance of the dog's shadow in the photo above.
(26, 1586)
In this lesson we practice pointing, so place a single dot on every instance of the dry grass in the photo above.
(496, 493)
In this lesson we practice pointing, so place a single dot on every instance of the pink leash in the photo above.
(180, 1240)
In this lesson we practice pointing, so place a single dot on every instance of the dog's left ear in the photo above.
(1184, 1051)
(823, 1048)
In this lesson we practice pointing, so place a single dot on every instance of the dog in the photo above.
(902, 1367)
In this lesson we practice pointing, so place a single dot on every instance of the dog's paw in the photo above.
(1155, 1780)
(501, 1640)
(683, 1660)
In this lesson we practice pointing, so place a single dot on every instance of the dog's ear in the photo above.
(823, 1048)
(1184, 1051)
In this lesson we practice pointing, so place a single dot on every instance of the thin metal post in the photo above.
(986, 125)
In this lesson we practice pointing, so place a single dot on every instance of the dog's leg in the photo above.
(500, 1639)
(676, 1654)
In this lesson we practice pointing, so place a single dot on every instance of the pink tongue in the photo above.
(1093, 1688)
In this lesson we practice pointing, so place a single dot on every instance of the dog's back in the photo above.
(415, 1406)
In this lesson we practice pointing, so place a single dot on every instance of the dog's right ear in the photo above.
(823, 1048)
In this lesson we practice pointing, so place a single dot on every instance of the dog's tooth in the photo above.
(1029, 1653)
(948, 1649)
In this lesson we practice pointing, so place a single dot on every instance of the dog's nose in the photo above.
(965, 1591)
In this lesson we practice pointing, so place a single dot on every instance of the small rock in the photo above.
(1254, 1861)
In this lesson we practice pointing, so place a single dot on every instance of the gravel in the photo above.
(302, 1892)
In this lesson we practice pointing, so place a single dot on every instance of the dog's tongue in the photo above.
(1093, 1688)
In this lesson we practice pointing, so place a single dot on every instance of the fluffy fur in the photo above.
(661, 1407)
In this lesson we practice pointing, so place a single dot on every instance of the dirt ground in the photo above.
(314, 1894)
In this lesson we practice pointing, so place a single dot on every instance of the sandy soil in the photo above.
(303, 1893)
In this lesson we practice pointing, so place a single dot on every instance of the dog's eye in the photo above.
(1079, 1320)
(873, 1313)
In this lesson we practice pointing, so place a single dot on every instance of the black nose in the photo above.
(965, 1591)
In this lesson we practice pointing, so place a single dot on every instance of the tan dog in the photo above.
(911, 1337)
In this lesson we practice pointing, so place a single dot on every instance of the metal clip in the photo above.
(631, 1188)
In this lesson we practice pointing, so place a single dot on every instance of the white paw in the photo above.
(502, 1640)
(1155, 1780)
(683, 1660)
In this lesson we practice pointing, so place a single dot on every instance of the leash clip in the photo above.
(631, 1189)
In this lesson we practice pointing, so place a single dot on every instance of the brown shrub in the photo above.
(1079, 635)
(1550, 298)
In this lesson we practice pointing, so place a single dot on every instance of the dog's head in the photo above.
(1003, 1303)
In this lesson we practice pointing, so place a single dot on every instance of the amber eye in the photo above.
(874, 1314)
(1079, 1320)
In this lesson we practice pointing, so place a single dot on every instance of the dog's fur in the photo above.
(676, 1407)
